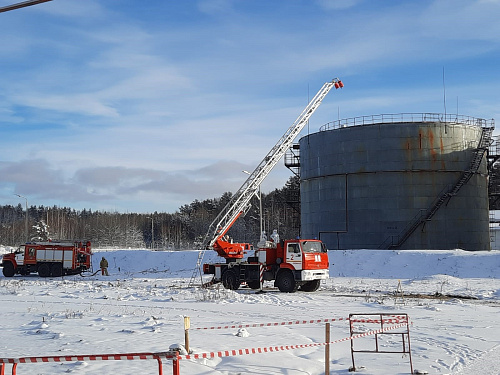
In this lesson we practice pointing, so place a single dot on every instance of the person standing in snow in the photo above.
(104, 267)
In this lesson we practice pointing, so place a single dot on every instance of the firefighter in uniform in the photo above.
(104, 267)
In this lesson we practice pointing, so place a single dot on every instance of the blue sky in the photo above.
(141, 106)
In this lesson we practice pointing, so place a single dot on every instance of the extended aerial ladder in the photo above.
(240, 201)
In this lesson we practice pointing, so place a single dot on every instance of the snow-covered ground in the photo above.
(141, 305)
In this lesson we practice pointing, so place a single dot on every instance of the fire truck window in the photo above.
(31, 252)
(293, 248)
(312, 247)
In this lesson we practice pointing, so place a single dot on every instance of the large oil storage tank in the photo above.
(405, 181)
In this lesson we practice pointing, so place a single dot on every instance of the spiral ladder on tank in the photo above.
(426, 215)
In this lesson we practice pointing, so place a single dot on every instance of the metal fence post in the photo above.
(160, 366)
(327, 349)
(187, 325)
(175, 364)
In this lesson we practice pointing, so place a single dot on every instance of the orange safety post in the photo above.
(4, 365)
(175, 363)
(160, 366)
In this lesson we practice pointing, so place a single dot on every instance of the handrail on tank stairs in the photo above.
(446, 194)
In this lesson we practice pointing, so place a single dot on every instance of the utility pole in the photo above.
(152, 232)
(260, 207)
(21, 5)
(25, 218)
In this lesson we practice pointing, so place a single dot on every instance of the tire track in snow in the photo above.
(486, 363)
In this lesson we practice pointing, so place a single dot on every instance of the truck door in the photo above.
(294, 255)
(30, 255)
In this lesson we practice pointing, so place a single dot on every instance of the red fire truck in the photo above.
(54, 259)
(292, 264)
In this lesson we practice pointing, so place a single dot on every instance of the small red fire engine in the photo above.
(54, 259)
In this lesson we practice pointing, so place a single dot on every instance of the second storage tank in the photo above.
(407, 181)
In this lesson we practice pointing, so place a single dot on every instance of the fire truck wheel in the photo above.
(255, 284)
(56, 270)
(8, 269)
(286, 282)
(310, 286)
(230, 279)
(43, 270)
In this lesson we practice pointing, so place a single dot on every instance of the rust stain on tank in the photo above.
(426, 145)
(407, 146)
(430, 135)
(441, 148)
(420, 138)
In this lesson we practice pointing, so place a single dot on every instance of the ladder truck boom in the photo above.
(240, 202)
(291, 263)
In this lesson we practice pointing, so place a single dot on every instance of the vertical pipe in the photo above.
(175, 365)
(187, 325)
(409, 345)
(260, 212)
(327, 349)
(160, 366)
(261, 276)
(14, 369)
(2, 368)
(352, 341)
(186, 339)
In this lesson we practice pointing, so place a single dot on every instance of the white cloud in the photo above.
(462, 20)
(80, 104)
(73, 9)
(149, 106)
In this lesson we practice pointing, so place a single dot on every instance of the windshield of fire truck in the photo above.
(312, 247)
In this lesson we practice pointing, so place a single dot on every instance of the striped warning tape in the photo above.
(395, 319)
(270, 349)
(387, 321)
(272, 324)
(398, 321)
(97, 357)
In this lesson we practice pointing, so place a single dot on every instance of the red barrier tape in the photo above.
(230, 353)
(273, 324)
(397, 319)
(400, 321)
(97, 357)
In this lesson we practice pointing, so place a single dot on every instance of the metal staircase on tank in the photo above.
(493, 184)
(292, 159)
(426, 215)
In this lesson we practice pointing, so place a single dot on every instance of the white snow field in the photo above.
(454, 310)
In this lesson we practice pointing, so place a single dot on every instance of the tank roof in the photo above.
(394, 118)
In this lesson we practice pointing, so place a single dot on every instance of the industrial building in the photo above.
(402, 181)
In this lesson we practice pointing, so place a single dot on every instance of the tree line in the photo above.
(183, 229)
